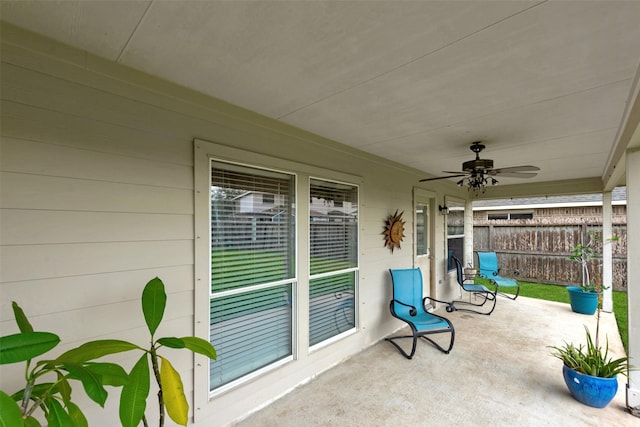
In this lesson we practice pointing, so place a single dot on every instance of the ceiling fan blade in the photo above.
(516, 174)
(443, 177)
(524, 168)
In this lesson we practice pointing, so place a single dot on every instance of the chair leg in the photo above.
(417, 335)
(404, 353)
(438, 346)
(511, 297)
(486, 297)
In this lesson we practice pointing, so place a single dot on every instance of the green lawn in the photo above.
(558, 293)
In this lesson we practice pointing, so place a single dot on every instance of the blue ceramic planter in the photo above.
(592, 391)
(582, 302)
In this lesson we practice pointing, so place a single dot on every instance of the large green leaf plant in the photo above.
(49, 382)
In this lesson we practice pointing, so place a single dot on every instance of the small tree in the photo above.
(583, 253)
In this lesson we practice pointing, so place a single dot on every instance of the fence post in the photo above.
(490, 237)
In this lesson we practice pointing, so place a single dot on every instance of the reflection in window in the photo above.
(422, 222)
(253, 221)
(455, 233)
(333, 251)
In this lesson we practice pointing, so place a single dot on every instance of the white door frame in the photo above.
(426, 262)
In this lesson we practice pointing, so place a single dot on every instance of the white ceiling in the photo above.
(545, 83)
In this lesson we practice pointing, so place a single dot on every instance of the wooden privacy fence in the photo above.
(540, 252)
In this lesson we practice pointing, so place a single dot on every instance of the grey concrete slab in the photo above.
(500, 373)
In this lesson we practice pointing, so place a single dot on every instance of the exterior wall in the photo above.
(98, 198)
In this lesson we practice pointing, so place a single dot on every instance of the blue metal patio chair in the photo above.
(479, 293)
(409, 305)
(488, 268)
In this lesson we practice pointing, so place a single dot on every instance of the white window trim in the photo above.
(355, 181)
(204, 151)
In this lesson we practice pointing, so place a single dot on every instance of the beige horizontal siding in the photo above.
(91, 290)
(43, 226)
(30, 262)
(97, 198)
(53, 160)
(27, 191)
(32, 123)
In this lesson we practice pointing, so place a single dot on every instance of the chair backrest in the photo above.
(407, 288)
(488, 264)
(459, 275)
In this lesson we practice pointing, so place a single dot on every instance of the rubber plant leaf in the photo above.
(198, 345)
(95, 349)
(10, 414)
(109, 373)
(21, 318)
(24, 346)
(171, 342)
(64, 388)
(133, 398)
(57, 416)
(173, 393)
(79, 420)
(31, 422)
(154, 300)
(91, 382)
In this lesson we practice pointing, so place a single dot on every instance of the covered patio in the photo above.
(500, 372)
(118, 117)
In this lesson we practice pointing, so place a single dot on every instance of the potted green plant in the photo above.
(584, 299)
(589, 372)
(48, 382)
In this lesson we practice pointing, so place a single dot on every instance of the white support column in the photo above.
(607, 252)
(468, 233)
(633, 273)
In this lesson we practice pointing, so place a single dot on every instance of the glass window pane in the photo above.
(331, 306)
(252, 245)
(455, 233)
(252, 237)
(333, 243)
(333, 226)
(422, 222)
(249, 331)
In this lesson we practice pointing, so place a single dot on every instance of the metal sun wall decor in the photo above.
(394, 231)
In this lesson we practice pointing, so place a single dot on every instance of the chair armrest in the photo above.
(516, 272)
(424, 300)
(413, 310)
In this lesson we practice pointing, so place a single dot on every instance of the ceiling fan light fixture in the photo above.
(479, 173)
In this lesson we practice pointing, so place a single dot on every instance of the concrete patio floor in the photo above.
(499, 373)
